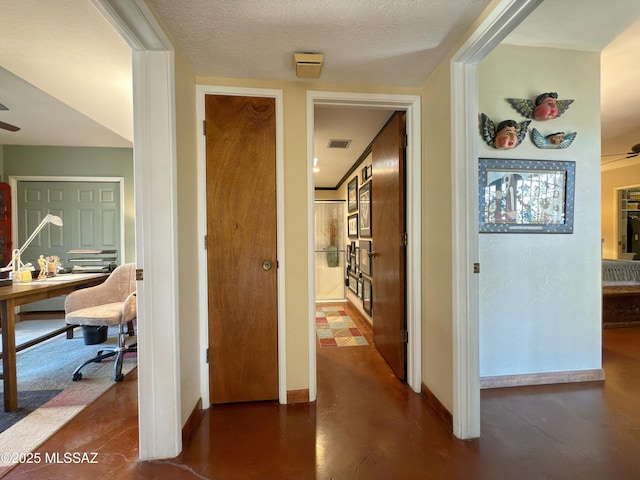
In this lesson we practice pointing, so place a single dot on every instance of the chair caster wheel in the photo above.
(119, 377)
(77, 376)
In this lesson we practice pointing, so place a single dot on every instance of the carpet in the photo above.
(47, 396)
(335, 328)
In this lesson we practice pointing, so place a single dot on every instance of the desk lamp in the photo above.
(16, 264)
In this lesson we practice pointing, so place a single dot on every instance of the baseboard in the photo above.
(438, 407)
(193, 422)
(501, 381)
(298, 396)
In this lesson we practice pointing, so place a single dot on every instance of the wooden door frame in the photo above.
(411, 104)
(15, 179)
(201, 92)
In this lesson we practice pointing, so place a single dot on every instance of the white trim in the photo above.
(133, 20)
(412, 105)
(464, 205)
(154, 126)
(159, 395)
(201, 92)
(15, 179)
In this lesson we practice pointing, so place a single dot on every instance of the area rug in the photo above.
(335, 328)
(47, 396)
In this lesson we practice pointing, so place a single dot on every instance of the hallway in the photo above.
(367, 425)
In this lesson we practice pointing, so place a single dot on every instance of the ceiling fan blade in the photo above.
(616, 154)
(8, 126)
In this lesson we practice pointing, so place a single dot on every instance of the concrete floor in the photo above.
(368, 425)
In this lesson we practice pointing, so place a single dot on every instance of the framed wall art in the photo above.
(365, 210)
(526, 196)
(353, 283)
(352, 195)
(366, 173)
(352, 257)
(365, 257)
(352, 226)
(367, 295)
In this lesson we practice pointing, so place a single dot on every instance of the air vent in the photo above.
(339, 143)
(308, 65)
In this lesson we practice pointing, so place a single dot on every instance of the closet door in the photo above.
(241, 248)
(91, 215)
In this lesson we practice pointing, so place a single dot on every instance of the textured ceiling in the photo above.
(364, 41)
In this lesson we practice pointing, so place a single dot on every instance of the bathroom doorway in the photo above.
(330, 250)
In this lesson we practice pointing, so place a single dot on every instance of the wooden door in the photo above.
(388, 232)
(241, 248)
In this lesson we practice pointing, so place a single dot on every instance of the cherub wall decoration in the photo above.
(508, 134)
(545, 107)
(554, 140)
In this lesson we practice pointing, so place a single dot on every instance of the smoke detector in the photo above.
(308, 65)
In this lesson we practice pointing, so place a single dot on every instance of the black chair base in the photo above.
(118, 353)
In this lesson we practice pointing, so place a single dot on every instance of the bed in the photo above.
(620, 293)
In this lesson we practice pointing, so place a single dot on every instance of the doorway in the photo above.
(330, 251)
(628, 223)
(411, 106)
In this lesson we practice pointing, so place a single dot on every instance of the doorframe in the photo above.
(15, 179)
(616, 216)
(155, 193)
(201, 92)
(499, 23)
(411, 104)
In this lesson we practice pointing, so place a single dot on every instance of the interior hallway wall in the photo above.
(540, 294)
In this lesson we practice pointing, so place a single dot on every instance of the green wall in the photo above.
(19, 160)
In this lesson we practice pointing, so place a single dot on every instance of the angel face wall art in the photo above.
(555, 140)
(508, 134)
(545, 107)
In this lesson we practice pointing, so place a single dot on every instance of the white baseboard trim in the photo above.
(522, 380)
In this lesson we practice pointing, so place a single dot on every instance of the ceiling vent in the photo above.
(308, 65)
(339, 143)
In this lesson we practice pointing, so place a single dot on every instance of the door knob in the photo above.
(267, 265)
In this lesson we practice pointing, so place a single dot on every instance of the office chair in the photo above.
(108, 304)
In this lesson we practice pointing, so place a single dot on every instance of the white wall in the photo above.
(540, 294)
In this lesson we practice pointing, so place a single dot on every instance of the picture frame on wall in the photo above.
(352, 226)
(367, 295)
(526, 196)
(360, 287)
(365, 210)
(352, 195)
(365, 257)
(353, 283)
(366, 173)
(352, 257)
